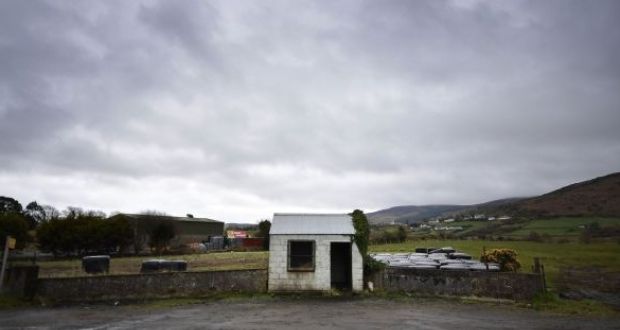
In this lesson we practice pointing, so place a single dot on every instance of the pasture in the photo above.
(131, 265)
(601, 255)
(561, 228)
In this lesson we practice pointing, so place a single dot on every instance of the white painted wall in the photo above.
(282, 280)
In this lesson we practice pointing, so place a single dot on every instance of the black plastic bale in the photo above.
(96, 264)
(150, 266)
(425, 250)
(459, 256)
(174, 265)
(180, 265)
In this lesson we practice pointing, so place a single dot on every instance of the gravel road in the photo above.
(299, 314)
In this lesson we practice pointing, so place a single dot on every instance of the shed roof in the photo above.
(311, 224)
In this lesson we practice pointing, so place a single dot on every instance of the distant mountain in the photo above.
(411, 214)
(596, 197)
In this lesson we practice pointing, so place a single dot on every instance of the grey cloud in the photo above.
(306, 105)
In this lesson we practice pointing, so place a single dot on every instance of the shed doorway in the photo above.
(341, 266)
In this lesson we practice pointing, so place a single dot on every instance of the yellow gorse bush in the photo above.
(506, 258)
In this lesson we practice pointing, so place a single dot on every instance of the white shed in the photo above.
(313, 252)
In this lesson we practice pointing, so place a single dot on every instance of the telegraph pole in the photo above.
(10, 243)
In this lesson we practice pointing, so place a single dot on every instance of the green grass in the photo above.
(547, 302)
(561, 227)
(8, 302)
(131, 265)
(467, 225)
(550, 302)
(552, 255)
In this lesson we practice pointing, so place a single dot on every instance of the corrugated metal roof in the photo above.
(166, 217)
(316, 224)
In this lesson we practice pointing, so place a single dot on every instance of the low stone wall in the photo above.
(21, 281)
(515, 286)
(156, 285)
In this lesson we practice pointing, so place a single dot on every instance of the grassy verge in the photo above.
(8, 302)
(550, 302)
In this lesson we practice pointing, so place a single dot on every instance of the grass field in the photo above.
(131, 265)
(558, 228)
(561, 227)
(552, 255)
(603, 255)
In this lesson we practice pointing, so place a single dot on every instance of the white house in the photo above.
(313, 252)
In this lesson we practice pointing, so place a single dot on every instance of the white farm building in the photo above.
(313, 252)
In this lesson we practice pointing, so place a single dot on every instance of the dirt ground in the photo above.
(299, 314)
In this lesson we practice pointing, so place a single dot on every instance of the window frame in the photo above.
(289, 256)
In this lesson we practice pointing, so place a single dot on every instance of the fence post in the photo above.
(536, 265)
(5, 260)
(544, 278)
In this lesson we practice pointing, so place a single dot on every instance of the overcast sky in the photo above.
(234, 110)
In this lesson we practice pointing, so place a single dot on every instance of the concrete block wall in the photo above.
(280, 279)
(357, 268)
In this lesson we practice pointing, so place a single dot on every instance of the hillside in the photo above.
(417, 213)
(411, 213)
(596, 197)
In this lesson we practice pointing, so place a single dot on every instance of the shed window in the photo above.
(301, 256)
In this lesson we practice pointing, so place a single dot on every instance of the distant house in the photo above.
(449, 220)
(448, 228)
(313, 252)
(188, 230)
(237, 234)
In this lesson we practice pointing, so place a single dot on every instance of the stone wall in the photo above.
(280, 279)
(156, 285)
(21, 281)
(515, 286)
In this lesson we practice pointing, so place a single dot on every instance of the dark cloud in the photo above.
(237, 109)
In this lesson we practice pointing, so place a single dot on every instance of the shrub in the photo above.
(263, 231)
(585, 238)
(82, 233)
(506, 258)
(160, 236)
(362, 231)
(534, 237)
(372, 266)
(401, 234)
(15, 225)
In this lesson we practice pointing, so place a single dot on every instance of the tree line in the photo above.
(74, 231)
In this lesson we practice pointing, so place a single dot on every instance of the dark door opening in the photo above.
(341, 266)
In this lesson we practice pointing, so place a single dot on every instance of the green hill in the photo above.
(596, 197)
